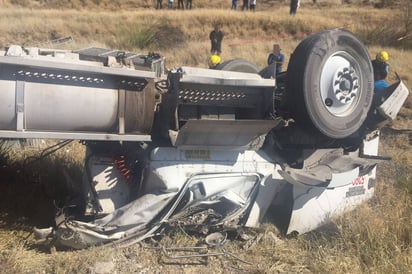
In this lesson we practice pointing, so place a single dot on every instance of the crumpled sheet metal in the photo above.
(230, 194)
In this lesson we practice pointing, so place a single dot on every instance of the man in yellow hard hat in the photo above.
(382, 56)
(380, 70)
(214, 60)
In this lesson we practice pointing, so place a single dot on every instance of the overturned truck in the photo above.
(202, 149)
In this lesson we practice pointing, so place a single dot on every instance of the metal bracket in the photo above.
(121, 110)
(20, 105)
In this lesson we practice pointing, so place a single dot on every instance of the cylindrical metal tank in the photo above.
(37, 95)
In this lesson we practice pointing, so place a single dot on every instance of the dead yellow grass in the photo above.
(247, 34)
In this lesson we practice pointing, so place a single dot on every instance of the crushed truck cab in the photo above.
(205, 150)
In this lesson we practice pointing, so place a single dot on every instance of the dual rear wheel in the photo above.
(329, 82)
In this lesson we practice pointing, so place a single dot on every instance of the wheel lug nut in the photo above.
(328, 102)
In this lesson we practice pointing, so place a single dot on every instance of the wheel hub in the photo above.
(345, 85)
(340, 84)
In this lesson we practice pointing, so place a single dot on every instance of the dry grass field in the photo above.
(375, 238)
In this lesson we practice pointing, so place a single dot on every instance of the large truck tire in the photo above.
(330, 83)
(239, 65)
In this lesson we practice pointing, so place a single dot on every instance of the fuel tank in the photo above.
(56, 91)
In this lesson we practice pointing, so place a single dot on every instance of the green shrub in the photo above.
(154, 37)
(141, 39)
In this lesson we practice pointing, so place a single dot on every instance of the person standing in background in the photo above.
(276, 58)
(234, 4)
(216, 37)
(170, 4)
(189, 4)
(293, 6)
(159, 4)
(252, 5)
(245, 5)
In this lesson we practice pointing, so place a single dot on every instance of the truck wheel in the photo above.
(239, 65)
(330, 83)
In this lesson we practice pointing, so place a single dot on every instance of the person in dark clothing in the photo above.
(189, 4)
(216, 37)
(293, 6)
(180, 4)
(159, 4)
(245, 5)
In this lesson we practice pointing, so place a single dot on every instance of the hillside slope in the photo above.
(135, 4)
